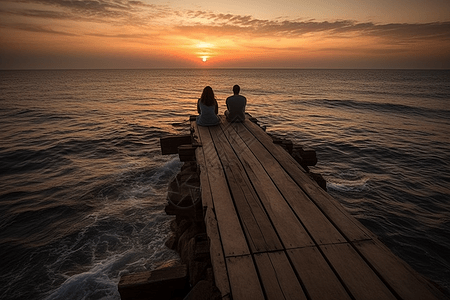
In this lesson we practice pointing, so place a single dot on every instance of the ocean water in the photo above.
(83, 184)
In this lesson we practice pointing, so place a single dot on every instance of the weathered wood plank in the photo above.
(289, 228)
(231, 233)
(186, 152)
(254, 186)
(318, 278)
(396, 273)
(362, 282)
(201, 165)
(216, 253)
(277, 276)
(348, 226)
(319, 227)
(169, 144)
(204, 181)
(244, 280)
(261, 236)
(160, 284)
(216, 250)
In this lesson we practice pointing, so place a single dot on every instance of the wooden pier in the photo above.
(275, 234)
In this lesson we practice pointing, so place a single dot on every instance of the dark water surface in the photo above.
(83, 184)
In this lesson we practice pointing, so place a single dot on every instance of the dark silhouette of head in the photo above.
(236, 89)
(208, 97)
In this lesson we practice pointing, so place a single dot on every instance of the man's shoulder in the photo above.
(236, 97)
(242, 99)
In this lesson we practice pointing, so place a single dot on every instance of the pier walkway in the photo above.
(275, 234)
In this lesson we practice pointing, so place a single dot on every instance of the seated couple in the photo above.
(208, 108)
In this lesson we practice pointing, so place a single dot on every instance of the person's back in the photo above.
(208, 116)
(236, 106)
(208, 108)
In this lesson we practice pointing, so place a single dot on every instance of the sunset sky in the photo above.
(66, 34)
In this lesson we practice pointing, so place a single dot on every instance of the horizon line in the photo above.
(220, 68)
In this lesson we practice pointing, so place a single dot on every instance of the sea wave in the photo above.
(83, 184)
(348, 182)
(395, 109)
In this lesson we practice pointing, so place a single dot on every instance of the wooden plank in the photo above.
(396, 273)
(186, 152)
(201, 165)
(261, 236)
(204, 181)
(317, 224)
(277, 276)
(216, 253)
(361, 281)
(231, 233)
(336, 271)
(289, 228)
(349, 227)
(244, 280)
(157, 284)
(169, 144)
(318, 278)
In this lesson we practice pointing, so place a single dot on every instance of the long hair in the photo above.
(208, 97)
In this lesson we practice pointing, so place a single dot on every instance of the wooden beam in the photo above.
(317, 276)
(289, 228)
(260, 234)
(202, 168)
(359, 278)
(277, 276)
(160, 283)
(316, 223)
(216, 253)
(231, 233)
(169, 144)
(244, 280)
(348, 225)
(186, 152)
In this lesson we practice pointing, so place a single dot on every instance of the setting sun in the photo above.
(205, 50)
(145, 34)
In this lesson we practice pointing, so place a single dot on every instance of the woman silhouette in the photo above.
(208, 108)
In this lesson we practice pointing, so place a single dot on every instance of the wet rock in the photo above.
(183, 249)
(171, 242)
(197, 258)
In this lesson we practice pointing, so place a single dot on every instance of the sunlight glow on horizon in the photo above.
(141, 34)
(205, 50)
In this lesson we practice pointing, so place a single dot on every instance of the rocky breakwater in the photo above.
(192, 277)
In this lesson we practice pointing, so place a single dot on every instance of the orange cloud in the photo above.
(158, 35)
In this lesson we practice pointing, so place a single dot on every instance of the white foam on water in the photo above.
(125, 235)
(349, 182)
(100, 282)
(169, 168)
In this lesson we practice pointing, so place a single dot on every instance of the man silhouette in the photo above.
(236, 106)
